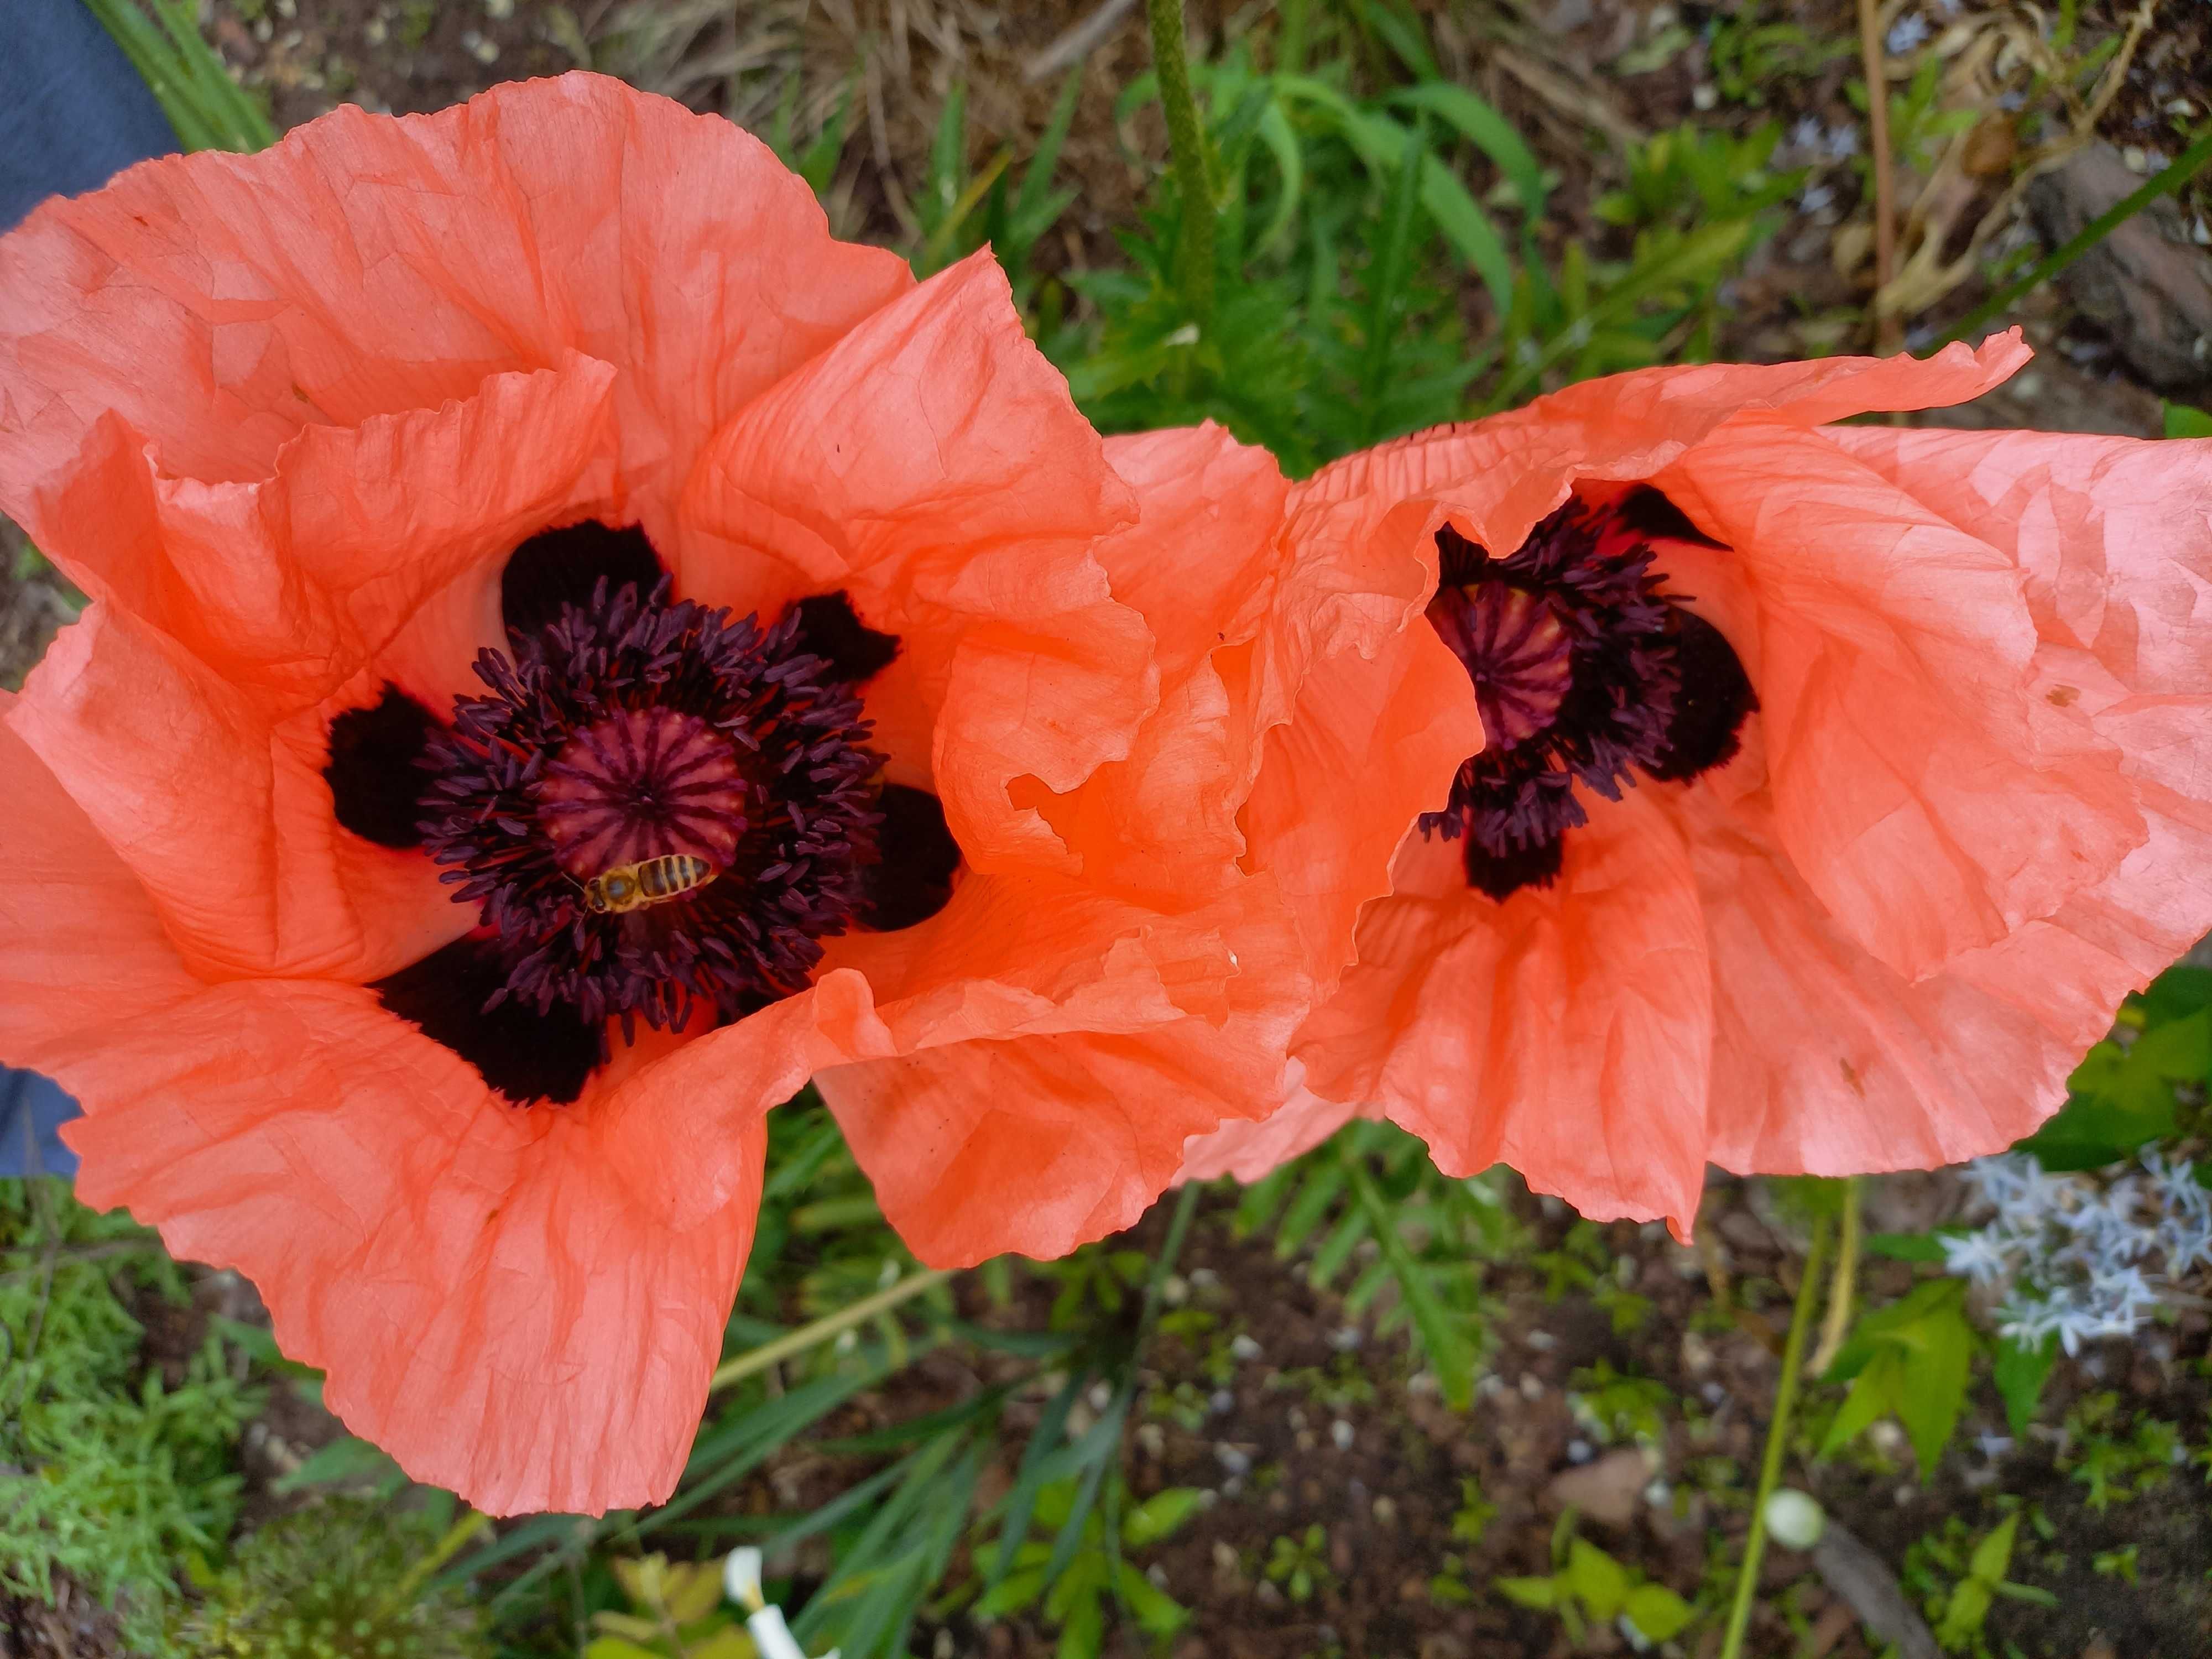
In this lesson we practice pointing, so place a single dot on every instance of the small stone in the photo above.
(376, 31)
(1385, 1512)
(1242, 1346)
(1174, 1288)
(1532, 1387)
(1298, 1417)
(1541, 1341)
(1340, 1432)
(1152, 1439)
(1704, 95)
(1221, 1403)
(1231, 1459)
(1580, 1451)
(499, 10)
(1267, 1595)
(1607, 1490)
(1346, 1338)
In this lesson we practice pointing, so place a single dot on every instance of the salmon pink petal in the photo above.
(1828, 1061)
(1566, 1031)
(1072, 1125)
(1247, 1151)
(1055, 1047)
(1914, 790)
(1495, 478)
(973, 548)
(291, 585)
(225, 821)
(74, 917)
(368, 266)
(492, 1301)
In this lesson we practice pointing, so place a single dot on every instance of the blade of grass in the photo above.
(1449, 1349)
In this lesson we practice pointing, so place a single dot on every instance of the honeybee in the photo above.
(655, 881)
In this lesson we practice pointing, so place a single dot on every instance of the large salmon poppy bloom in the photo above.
(1840, 780)
(575, 651)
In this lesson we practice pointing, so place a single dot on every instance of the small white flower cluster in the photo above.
(2081, 1256)
(1817, 143)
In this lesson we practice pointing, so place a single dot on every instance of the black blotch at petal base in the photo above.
(914, 881)
(829, 628)
(559, 568)
(1503, 875)
(1710, 709)
(374, 770)
(527, 1056)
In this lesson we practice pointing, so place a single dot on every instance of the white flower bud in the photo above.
(1795, 1518)
(772, 1636)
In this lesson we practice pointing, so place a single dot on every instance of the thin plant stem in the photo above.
(1842, 1288)
(1888, 330)
(1187, 141)
(1777, 1440)
(2184, 167)
(822, 1329)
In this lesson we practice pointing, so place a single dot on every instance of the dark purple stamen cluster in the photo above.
(633, 729)
(1585, 674)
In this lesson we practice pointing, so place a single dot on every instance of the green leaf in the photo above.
(1598, 1581)
(1158, 1614)
(1084, 1633)
(1874, 1394)
(2020, 1374)
(1444, 1335)
(1160, 1516)
(1993, 1555)
(1658, 1612)
(2182, 422)
(1541, 1594)
(1488, 130)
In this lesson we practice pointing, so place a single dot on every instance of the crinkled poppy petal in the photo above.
(492, 1302)
(1566, 1031)
(1495, 478)
(291, 585)
(1064, 1077)
(1200, 565)
(1920, 795)
(84, 949)
(225, 820)
(367, 266)
(1247, 1151)
(974, 548)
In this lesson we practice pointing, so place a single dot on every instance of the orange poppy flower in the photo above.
(1841, 780)
(575, 651)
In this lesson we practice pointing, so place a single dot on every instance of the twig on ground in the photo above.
(1076, 42)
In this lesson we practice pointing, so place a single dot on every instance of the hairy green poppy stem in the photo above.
(1777, 1440)
(822, 1329)
(1187, 141)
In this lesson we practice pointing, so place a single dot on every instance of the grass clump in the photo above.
(110, 1473)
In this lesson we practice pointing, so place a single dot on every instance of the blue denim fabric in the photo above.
(73, 113)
